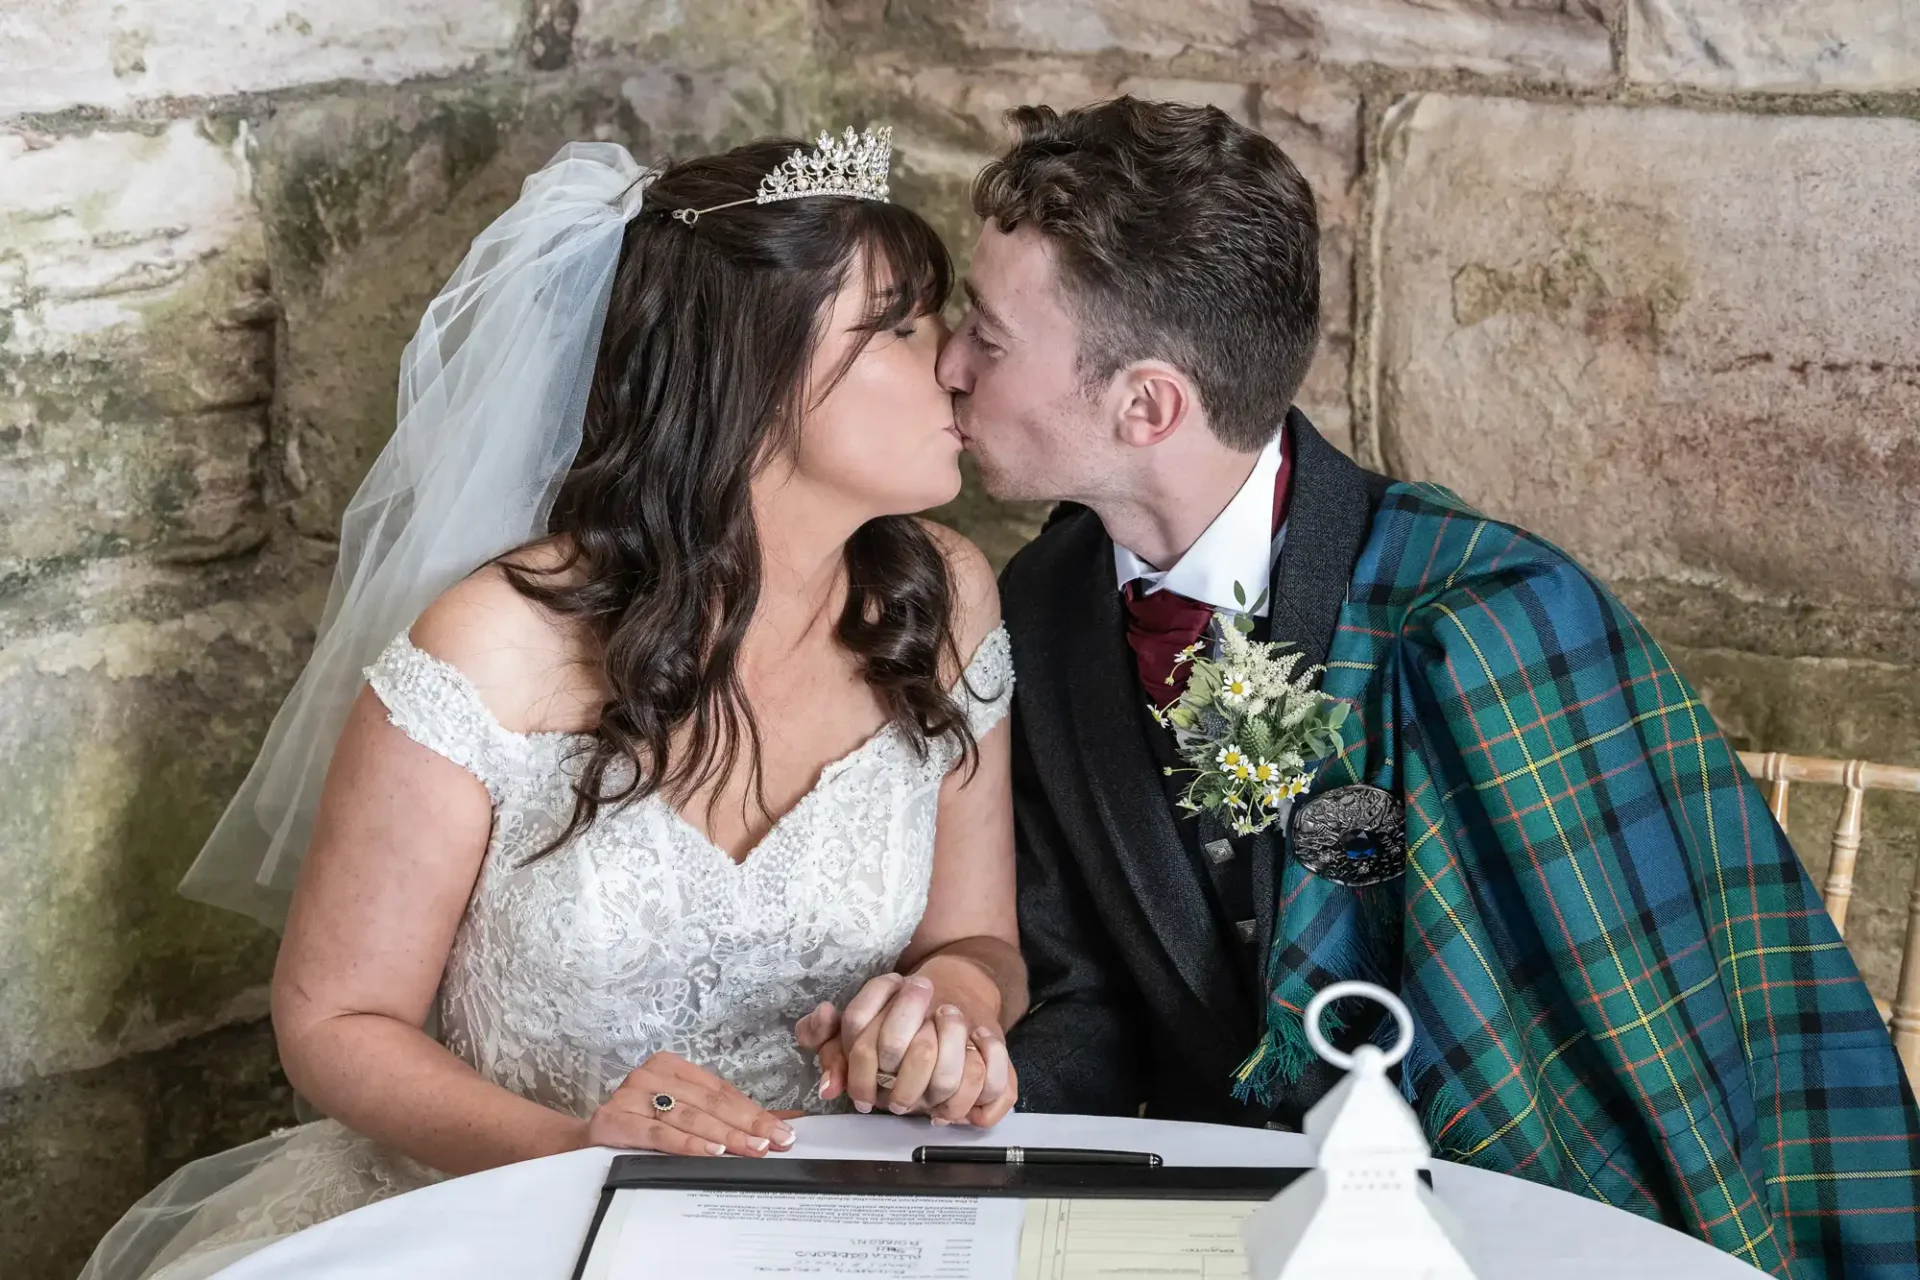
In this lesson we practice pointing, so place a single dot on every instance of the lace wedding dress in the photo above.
(638, 936)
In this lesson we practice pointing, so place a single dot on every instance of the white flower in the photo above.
(1295, 785)
(1235, 687)
(1266, 771)
(1231, 758)
(1272, 797)
(1243, 827)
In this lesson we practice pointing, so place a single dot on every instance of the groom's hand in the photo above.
(882, 1025)
(936, 1066)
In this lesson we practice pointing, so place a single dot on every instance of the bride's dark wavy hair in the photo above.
(701, 381)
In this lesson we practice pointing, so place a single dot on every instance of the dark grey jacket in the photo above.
(1140, 997)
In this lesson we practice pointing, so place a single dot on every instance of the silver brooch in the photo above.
(1353, 836)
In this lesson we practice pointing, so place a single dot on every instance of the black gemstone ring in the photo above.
(662, 1103)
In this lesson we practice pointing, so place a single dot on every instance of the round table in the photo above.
(528, 1220)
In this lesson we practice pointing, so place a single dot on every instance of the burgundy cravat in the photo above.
(1160, 625)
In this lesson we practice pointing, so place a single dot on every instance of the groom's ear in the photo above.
(1151, 400)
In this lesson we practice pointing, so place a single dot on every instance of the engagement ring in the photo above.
(662, 1103)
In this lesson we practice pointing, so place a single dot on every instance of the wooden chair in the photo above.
(1777, 771)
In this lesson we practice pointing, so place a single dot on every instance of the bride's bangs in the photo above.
(909, 272)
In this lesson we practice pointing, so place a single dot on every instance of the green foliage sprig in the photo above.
(1248, 725)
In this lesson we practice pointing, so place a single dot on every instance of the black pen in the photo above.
(1032, 1155)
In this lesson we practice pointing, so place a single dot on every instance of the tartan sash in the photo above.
(1625, 984)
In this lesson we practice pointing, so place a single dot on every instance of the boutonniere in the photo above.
(1248, 725)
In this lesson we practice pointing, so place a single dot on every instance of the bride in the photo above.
(674, 769)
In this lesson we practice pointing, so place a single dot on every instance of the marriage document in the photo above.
(734, 1235)
(1093, 1239)
(737, 1235)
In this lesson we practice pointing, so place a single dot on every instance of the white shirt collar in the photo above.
(1239, 546)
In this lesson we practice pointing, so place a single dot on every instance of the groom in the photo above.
(1623, 983)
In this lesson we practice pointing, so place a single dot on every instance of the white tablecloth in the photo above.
(528, 1220)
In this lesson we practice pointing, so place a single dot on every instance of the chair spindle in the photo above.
(1905, 1023)
(1776, 772)
(1845, 848)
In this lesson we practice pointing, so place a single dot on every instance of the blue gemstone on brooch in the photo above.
(1353, 836)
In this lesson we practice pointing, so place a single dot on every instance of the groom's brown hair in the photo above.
(1180, 235)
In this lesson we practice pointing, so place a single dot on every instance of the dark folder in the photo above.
(902, 1178)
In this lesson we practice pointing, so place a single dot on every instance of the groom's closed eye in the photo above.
(981, 324)
(975, 332)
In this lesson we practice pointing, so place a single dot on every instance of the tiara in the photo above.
(850, 165)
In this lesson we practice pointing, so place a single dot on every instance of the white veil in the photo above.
(493, 391)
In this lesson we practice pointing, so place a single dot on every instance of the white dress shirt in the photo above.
(1239, 546)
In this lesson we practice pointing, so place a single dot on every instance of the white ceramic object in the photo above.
(1362, 1212)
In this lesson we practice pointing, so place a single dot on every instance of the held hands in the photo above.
(938, 1067)
(668, 1104)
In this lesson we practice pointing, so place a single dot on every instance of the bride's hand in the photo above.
(706, 1117)
(937, 1066)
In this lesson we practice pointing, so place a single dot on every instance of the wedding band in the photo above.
(885, 1079)
(662, 1103)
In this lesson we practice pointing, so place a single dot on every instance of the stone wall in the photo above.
(218, 225)
(1636, 273)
